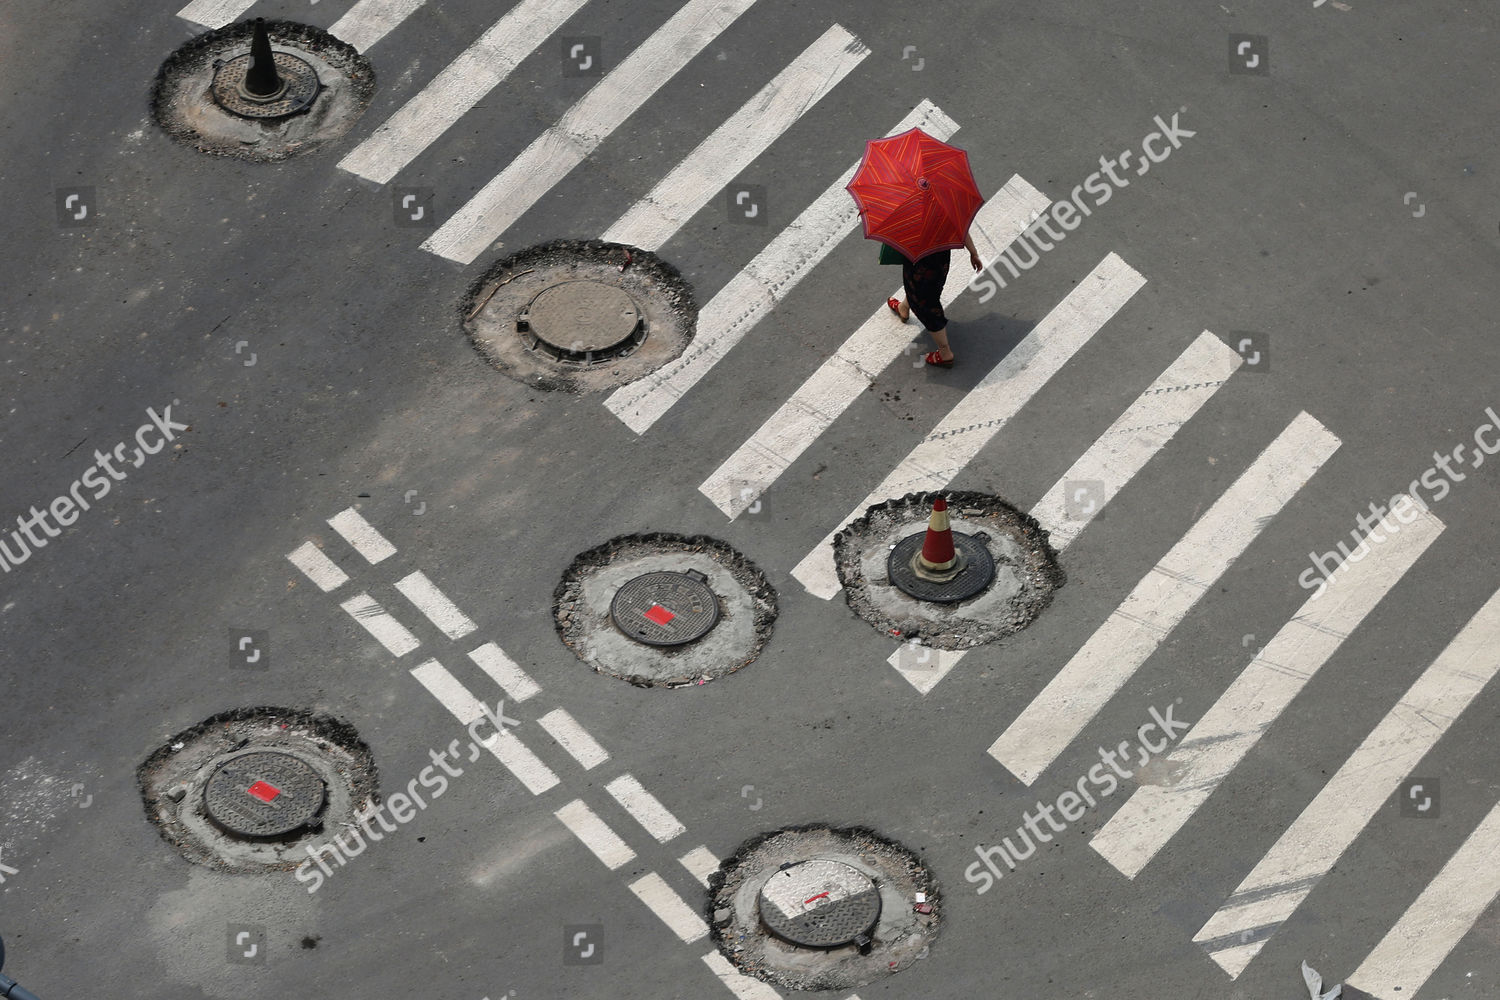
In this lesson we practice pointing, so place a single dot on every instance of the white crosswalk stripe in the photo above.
(368, 21)
(514, 755)
(841, 379)
(663, 901)
(214, 13)
(581, 129)
(1217, 743)
(1161, 600)
(381, 624)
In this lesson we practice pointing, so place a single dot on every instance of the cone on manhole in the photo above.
(940, 565)
(938, 560)
(262, 82)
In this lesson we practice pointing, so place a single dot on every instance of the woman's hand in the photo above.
(974, 260)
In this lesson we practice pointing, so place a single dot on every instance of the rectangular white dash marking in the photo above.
(514, 681)
(361, 535)
(595, 834)
(701, 862)
(647, 811)
(840, 380)
(1311, 846)
(1432, 926)
(978, 417)
(741, 985)
(573, 738)
(379, 623)
(756, 290)
(734, 145)
(318, 568)
(1162, 600)
(1218, 741)
(433, 603)
(460, 86)
(923, 666)
(653, 890)
(1141, 431)
(368, 21)
(214, 13)
(554, 154)
(508, 750)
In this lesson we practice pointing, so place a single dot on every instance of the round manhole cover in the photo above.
(299, 87)
(263, 794)
(583, 321)
(820, 903)
(665, 608)
(978, 571)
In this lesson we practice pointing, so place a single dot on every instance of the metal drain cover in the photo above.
(978, 572)
(665, 608)
(583, 321)
(819, 903)
(263, 793)
(300, 82)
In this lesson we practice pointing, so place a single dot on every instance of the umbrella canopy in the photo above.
(916, 193)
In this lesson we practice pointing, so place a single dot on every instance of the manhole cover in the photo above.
(820, 903)
(263, 794)
(665, 608)
(299, 87)
(979, 569)
(583, 321)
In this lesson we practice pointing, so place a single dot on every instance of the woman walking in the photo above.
(924, 280)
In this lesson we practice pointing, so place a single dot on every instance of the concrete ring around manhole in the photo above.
(637, 608)
(1025, 570)
(199, 99)
(258, 789)
(821, 908)
(579, 316)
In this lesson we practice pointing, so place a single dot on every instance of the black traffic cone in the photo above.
(262, 80)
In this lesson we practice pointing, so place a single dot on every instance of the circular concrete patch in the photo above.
(183, 105)
(908, 908)
(245, 743)
(581, 608)
(1026, 570)
(607, 349)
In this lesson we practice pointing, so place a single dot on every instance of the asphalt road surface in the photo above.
(1277, 311)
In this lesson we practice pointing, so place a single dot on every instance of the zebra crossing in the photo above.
(1457, 894)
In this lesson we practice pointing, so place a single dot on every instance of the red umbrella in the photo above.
(916, 193)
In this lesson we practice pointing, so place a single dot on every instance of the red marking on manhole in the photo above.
(658, 614)
(818, 896)
(263, 791)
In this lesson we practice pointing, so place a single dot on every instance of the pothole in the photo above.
(663, 610)
(250, 789)
(1021, 581)
(213, 95)
(819, 908)
(579, 315)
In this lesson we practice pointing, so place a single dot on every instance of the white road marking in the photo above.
(508, 750)
(1141, 431)
(1432, 926)
(980, 414)
(368, 21)
(683, 920)
(214, 13)
(647, 811)
(742, 986)
(433, 603)
(756, 290)
(924, 666)
(460, 86)
(595, 834)
(573, 738)
(361, 535)
(734, 145)
(515, 682)
(1311, 846)
(701, 862)
(318, 568)
(1219, 740)
(1162, 599)
(381, 624)
(554, 154)
(840, 380)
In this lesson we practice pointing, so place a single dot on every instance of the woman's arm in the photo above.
(973, 254)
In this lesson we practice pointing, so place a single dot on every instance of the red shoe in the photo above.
(935, 358)
(895, 307)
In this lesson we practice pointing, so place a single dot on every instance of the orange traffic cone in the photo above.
(938, 558)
